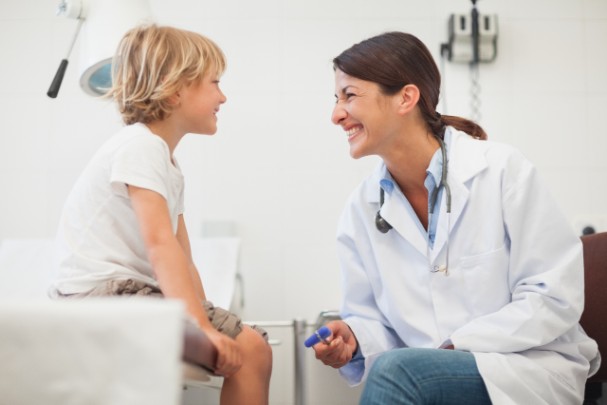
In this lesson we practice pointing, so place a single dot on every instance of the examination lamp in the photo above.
(101, 24)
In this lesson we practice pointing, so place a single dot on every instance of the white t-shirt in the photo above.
(99, 236)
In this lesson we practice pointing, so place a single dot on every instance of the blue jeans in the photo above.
(425, 376)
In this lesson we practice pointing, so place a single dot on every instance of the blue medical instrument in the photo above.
(319, 336)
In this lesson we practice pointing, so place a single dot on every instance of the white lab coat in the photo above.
(514, 293)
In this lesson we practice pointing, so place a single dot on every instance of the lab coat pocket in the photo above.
(485, 279)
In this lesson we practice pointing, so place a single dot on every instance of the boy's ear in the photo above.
(175, 98)
(408, 97)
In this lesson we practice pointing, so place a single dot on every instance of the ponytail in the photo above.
(465, 125)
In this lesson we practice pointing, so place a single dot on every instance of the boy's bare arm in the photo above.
(184, 241)
(168, 259)
(172, 269)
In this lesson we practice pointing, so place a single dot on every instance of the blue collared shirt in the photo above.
(433, 176)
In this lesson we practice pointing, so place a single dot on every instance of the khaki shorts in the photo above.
(224, 321)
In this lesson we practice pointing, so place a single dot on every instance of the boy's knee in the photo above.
(255, 344)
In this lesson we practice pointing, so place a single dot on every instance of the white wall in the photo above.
(277, 166)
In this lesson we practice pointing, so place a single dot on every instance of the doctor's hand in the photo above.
(341, 345)
(229, 357)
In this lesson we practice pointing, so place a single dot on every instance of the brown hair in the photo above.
(395, 59)
(152, 63)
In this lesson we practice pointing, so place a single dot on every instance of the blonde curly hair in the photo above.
(152, 63)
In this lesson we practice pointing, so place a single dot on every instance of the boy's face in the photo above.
(199, 103)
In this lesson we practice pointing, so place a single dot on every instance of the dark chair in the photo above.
(594, 318)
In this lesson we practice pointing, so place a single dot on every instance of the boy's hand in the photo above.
(229, 358)
(342, 344)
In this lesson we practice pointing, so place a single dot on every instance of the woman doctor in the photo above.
(463, 282)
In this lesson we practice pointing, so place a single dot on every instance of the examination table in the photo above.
(100, 351)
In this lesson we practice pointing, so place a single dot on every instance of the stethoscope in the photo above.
(384, 226)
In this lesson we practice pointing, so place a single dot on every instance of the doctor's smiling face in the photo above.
(365, 114)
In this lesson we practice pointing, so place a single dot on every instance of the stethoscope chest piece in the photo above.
(382, 225)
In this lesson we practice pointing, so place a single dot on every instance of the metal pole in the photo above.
(475, 35)
(299, 335)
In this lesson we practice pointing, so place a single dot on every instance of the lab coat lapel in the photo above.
(459, 198)
(466, 160)
(399, 213)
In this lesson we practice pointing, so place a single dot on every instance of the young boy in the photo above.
(122, 230)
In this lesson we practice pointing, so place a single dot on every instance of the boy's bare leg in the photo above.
(251, 384)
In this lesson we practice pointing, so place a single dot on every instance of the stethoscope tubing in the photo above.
(384, 226)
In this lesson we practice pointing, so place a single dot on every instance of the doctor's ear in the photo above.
(408, 97)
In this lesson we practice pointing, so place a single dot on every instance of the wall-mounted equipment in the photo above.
(472, 37)
(103, 23)
(472, 40)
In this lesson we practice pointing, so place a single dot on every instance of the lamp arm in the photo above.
(56, 84)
